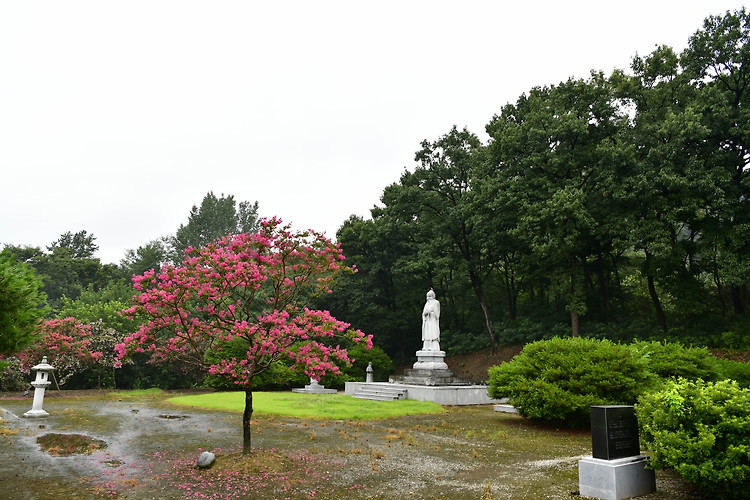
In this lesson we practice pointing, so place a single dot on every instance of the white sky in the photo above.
(117, 117)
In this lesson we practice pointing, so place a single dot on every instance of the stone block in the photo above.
(615, 479)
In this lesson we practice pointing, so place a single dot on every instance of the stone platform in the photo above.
(314, 388)
(615, 479)
(458, 395)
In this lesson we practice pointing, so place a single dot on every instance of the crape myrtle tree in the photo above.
(67, 345)
(250, 290)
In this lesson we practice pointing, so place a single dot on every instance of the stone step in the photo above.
(506, 408)
(380, 393)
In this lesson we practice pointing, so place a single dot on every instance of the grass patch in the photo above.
(322, 406)
(63, 445)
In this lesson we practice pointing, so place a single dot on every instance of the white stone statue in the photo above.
(431, 323)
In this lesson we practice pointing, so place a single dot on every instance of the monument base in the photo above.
(615, 479)
(36, 413)
(315, 389)
(430, 360)
(428, 377)
(456, 395)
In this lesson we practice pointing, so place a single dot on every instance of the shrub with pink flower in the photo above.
(249, 289)
(67, 345)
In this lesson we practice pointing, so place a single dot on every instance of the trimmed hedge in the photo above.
(558, 380)
(671, 360)
(702, 431)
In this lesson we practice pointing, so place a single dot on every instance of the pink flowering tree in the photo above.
(67, 345)
(248, 293)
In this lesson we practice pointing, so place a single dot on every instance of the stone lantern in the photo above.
(43, 370)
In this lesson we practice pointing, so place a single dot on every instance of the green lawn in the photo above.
(323, 406)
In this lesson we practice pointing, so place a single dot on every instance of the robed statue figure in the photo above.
(431, 323)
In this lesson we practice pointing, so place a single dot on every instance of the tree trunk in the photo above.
(480, 298)
(737, 302)
(719, 288)
(654, 296)
(574, 317)
(603, 284)
(510, 287)
(574, 324)
(657, 303)
(246, 416)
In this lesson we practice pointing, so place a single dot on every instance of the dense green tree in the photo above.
(545, 151)
(22, 304)
(146, 257)
(664, 182)
(446, 212)
(718, 61)
(382, 297)
(68, 268)
(81, 244)
(215, 218)
(102, 306)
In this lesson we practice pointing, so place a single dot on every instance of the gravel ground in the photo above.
(465, 453)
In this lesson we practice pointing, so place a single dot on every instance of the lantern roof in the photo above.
(43, 366)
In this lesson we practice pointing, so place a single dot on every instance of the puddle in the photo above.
(173, 417)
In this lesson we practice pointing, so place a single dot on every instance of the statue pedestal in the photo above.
(315, 388)
(430, 369)
(430, 360)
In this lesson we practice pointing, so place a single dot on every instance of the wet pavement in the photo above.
(467, 453)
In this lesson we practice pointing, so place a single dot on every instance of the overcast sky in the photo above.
(117, 117)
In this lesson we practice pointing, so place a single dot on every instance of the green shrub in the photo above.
(672, 360)
(11, 378)
(702, 431)
(558, 380)
(734, 370)
(281, 376)
(278, 376)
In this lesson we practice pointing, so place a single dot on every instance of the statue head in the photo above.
(431, 294)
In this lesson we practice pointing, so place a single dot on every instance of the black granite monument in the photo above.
(614, 432)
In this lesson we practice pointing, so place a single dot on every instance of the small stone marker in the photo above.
(616, 470)
(205, 460)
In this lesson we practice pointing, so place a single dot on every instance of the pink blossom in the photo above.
(251, 289)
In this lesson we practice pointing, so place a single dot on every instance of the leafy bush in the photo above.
(11, 378)
(382, 367)
(734, 370)
(558, 380)
(281, 375)
(672, 360)
(278, 376)
(702, 431)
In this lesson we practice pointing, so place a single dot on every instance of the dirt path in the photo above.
(465, 453)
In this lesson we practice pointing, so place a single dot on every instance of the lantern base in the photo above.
(36, 413)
